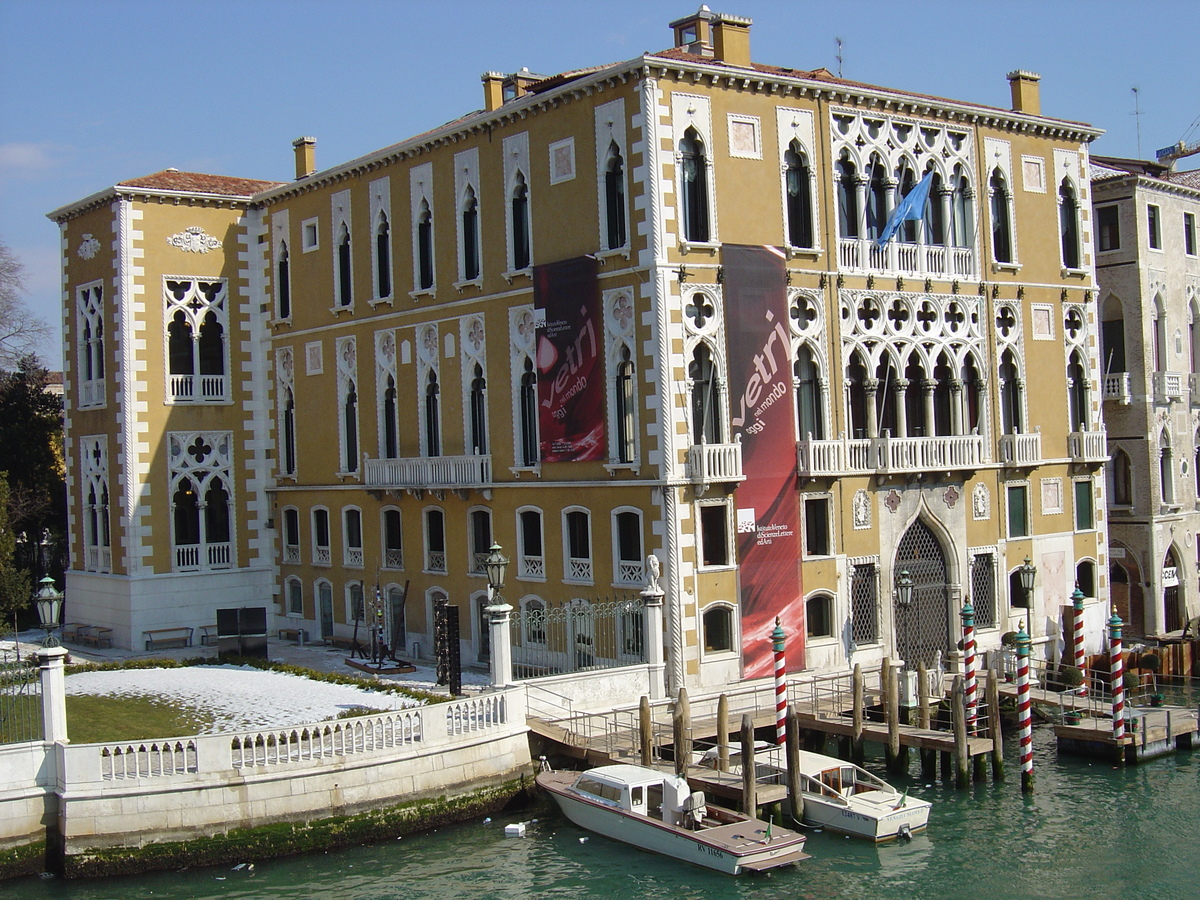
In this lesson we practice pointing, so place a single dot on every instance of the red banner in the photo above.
(570, 372)
(762, 413)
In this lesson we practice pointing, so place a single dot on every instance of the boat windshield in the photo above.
(599, 790)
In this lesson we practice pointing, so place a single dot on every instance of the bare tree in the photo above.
(21, 332)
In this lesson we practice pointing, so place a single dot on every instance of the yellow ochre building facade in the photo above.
(626, 312)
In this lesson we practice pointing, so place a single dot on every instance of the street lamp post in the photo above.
(904, 599)
(48, 601)
(496, 565)
(1028, 575)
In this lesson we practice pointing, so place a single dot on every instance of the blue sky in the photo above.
(92, 93)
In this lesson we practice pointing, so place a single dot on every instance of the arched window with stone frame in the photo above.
(694, 187)
(877, 199)
(519, 223)
(624, 400)
(469, 235)
(1166, 468)
(433, 415)
(1077, 393)
(708, 425)
(797, 193)
(962, 208)
(424, 242)
(527, 413)
(615, 227)
(810, 402)
(283, 282)
(847, 198)
(1012, 395)
(1068, 224)
(1000, 205)
(345, 268)
(383, 257)
(197, 347)
(1121, 474)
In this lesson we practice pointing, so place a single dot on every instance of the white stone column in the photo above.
(652, 601)
(501, 640)
(54, 694)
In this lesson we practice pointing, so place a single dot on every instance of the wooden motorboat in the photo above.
(657, 811)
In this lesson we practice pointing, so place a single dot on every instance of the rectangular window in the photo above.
(1108, 228)
(1018, 510)
(291, 536)
(309, 235)
(714, 534)
(1085, 518)
(1189, 234)
(481, 540)
(816, 527)
(435, 541)
(1154, 234)
(864, 604)
(579, 547)
(321, 555)
(295, 591)
(353, 548)
(393, 552)
(531, 563)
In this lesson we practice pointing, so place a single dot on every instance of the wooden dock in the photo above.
(1154, 732)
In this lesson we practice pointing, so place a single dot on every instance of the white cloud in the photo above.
(25, 157)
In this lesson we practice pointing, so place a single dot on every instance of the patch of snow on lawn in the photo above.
(239, 698)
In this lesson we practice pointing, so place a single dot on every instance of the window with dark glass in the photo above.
(718, 629)
(424, 248)
(714, 534)
(1108, 228)
(706, 420)
(478, 403)
(345, 272)
(809, 414)
(625, 408)
(520, 223)
(1018, 510)
(433, 441)
(528, 413)
(383, 257)
(1085, 517)
(1001, 223)
(1068, 224)
(614, 198)
(694, 178)
(816, 527)
(847, 199)
(284, 285)
(391, 424)
(350, 424)
(1154, 227)
(470, 236)
(819, 616)
(798, 197)
(393, 547)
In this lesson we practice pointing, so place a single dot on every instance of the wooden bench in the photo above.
(292, 634)
(174, 637)
(208, 635)
(94, 635)
(70, 632)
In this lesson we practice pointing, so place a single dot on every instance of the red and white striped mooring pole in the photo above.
(970, 696)
(1024, 717)
(1077, 602)
(778, 638)
(1117, 670)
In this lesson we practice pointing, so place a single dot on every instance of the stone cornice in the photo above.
(146, 195)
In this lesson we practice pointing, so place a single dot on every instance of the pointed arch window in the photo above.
(1012, 401)
(625, 408)
(424, 247)
(1001, 219)
(706, 418)
(1068, 224)
(877, 211)
(433, 411)
(202, 524)
(1160, 334)
(1122, 478)
(289, 432)
(283, 280)
(810, 417)
(614, 198)
(798, 196)
(345, 273)
(528, 410)
(478, 404)
(350, 428)
(91, 345)
(1077, 393)
(694, 187)
(391, 422)
(962, 209)
(847, 199)
(906, 180)
(519, 208)
(935, 213)
(383, 257)
(1166, 469)
(196, 340)
(856, 396)
(470, 236)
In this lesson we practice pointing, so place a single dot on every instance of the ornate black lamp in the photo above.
(1028, 576)
(496, 565)
(48, 601)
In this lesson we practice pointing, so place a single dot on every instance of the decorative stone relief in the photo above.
(862, 510)
(88, 247)
(893, 501)
(981, 502)
(951, 496)
(194, 240)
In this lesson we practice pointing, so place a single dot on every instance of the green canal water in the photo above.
(1089, 830)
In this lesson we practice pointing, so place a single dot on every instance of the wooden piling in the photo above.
(962, 765)
(644, 731)
(994, 729)
(856, 746)
(922, 696)
(891, 705)
(795, 789)
(723, 733)
(682, 721)
(749, 794)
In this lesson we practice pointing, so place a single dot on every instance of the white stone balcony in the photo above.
(915, 260)
(1088, 446)
(194, 557)
(202, 388)
(429, 472)
(1170, 386)
(944, 453)
(712, 463)
(1116, 387)
(1021, 449)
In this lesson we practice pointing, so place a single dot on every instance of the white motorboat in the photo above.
(838, 795)
(657, 811)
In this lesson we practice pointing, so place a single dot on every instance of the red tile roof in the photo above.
(174, 180)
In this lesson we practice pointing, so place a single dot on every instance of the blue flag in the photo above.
(910, 209)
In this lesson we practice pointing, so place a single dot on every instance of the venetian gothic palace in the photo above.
(628, 311)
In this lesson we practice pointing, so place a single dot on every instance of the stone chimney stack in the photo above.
(1026, 96)
(731, 39)
(493, 90)
(306, 156)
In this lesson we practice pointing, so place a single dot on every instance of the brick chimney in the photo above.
(1026, 96)
(306, 156)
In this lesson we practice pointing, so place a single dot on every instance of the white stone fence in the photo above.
(129, 793)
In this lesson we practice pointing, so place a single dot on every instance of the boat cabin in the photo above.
(643, 792)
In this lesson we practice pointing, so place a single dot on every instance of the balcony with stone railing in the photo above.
(1117, 387)
(429, 472)
(714, 463)
(204, 388)
(1021, 450)
(1170, 387)
(1088, 446)
(914, 260)
(887, 455)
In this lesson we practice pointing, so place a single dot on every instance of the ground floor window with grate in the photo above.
(864, 604)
